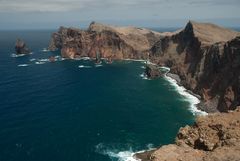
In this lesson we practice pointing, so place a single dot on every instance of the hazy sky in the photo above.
(166, 13)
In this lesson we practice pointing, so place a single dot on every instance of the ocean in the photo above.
(73, 110)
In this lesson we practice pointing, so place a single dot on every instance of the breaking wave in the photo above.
(98, 65)
(40, 62)
(43, 60)
(83, 66)
(189, 97)
(45, 50)
(114, 154)
(33, 59)
(143, 76)
(118, 155)
(138, 60)
(23, 65)
(19, 55)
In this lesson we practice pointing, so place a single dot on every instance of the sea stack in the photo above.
(152, 71)
(21, 47)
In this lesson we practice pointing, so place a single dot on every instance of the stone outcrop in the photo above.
(21, 47)
(152, 71)
(204, 56)
(215, 137)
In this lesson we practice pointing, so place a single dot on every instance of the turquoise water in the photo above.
(71, 110)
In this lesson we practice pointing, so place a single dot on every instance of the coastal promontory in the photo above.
(204, 56)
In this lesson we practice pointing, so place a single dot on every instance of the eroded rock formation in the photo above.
(215, 137)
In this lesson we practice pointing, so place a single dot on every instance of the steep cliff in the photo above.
(207, 59)
(109, 41)
(214, 137)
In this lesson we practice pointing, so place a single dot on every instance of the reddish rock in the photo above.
(214, 137)
(204, 56)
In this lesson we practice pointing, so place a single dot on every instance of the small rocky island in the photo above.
(21, 47)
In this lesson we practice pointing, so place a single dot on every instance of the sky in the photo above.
(50, 14)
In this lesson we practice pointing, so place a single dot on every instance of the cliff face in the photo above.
(109, 41)
(207, 59)
(214, 137)
(205, 56)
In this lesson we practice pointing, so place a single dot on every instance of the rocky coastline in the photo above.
(213, 137)
(202, 57)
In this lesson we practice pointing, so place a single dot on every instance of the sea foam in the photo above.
(23, 65)
(40, 62)
(17, 55)
(98, 65)
(83, 66)
(189, 97)
(143, 76)
(45, 50)
(115, 154)
(33, 59)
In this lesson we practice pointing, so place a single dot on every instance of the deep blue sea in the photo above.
(73, 110)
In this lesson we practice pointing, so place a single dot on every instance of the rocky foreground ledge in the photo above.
(215, 137)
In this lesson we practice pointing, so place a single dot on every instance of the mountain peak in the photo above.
(209, 33)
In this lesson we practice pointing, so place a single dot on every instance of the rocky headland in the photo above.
(203, 57)
(109, 41)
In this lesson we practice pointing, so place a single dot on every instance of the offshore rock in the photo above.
(21, 47)
(152, 71)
